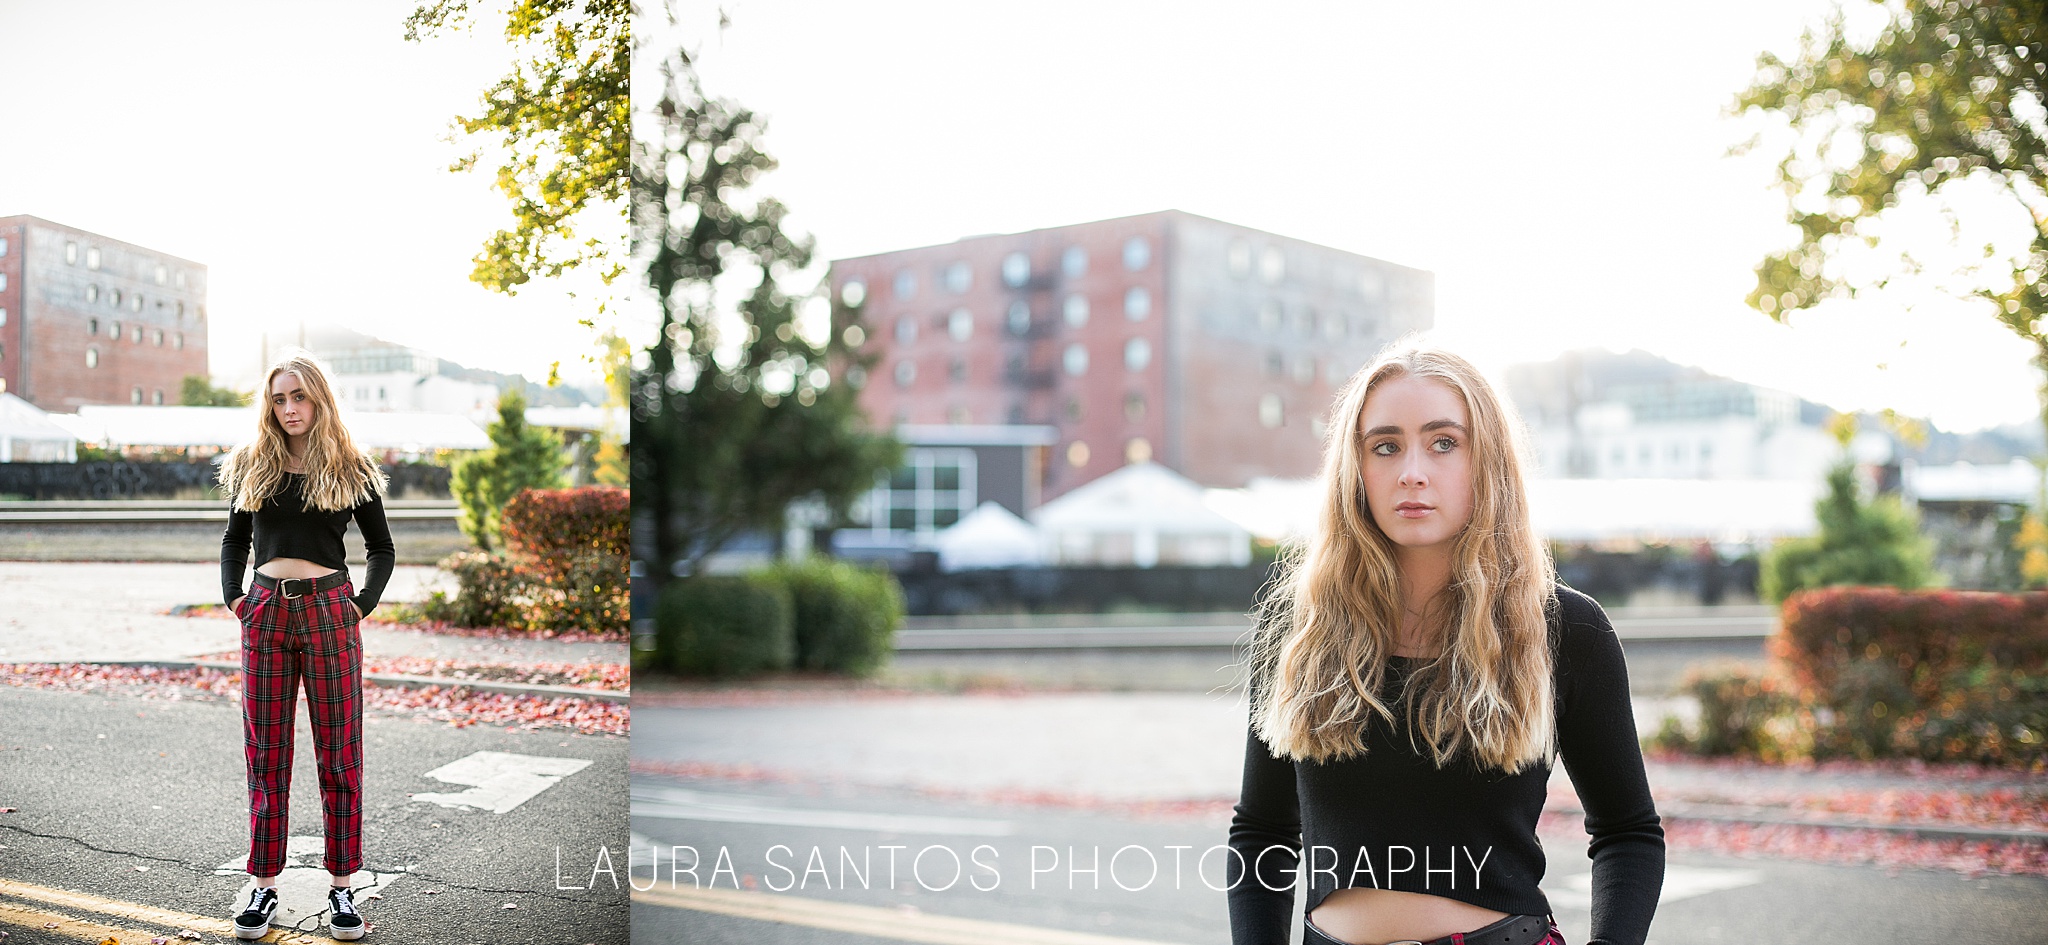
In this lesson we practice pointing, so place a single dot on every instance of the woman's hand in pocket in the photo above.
(358, 610)
(236, 607)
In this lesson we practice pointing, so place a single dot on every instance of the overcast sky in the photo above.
(1561, 168)
(291, 147)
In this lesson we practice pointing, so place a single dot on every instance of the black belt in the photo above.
(1513, 930)
(300, 587)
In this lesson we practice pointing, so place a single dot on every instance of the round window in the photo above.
(960, 324)
(1137, 253)
(1016, 270)
(1020, 318)
(1075, 360)
(1137, 354)
(1076, 310)
(1272, 264)
(1074, 262)
(1137, 303)
(959, 277)
(853, 293)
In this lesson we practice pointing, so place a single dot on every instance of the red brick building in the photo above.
(85, 319)
(1211, 348)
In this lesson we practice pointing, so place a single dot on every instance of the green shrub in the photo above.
(488, 593)
(521, 457)
(846, 615)
(1742, 712)
(1875, 672)
(1868, 542)
(725, 625)
(582, 591)
(572, 545)
(548, 524)
(1987, 714)
(565, 569)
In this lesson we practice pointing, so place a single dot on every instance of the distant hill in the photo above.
(1549, 392)
(333, 338)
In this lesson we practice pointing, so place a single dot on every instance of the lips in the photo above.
(1412, 510)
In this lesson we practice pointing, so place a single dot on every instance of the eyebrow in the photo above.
(301, 390)
(1431, 425)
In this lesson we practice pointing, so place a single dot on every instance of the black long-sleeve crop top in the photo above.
(1392, 820)
(285, 528)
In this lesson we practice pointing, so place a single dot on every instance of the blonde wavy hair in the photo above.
(1329, 620)
(338, 475)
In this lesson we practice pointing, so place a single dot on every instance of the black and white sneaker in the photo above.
(342, 918)
(257, 910)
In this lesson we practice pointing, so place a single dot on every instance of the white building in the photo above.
(1708, 428)
(391, 378)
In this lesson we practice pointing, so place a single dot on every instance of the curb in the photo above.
(1927, 831)
(403, 681)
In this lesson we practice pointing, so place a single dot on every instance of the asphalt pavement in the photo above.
(1020, 780)
(132, 814)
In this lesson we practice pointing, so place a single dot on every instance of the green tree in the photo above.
(1946, 99)
(738, 413)
(521, 457)
(197, 390)
(561, 121)
(1860, 542)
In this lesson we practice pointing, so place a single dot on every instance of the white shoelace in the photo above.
(342, 901)
(256, 899)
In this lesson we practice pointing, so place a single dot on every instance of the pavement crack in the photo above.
(100, 849)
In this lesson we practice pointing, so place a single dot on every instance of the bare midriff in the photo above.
(293, 568)
(1379, 916)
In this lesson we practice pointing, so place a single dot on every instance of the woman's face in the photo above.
(291, 404)
(1418, 455)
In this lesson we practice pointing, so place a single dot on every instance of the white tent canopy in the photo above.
(1142, 514)
(989, 537)
(2018, 482)
(226, 427)
(28, 435)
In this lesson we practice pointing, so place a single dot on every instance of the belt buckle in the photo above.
(284, 586)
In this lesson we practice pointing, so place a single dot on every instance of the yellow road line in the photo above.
(897, 924)
(28, 917)
(133, 912)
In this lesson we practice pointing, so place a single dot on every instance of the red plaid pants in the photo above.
(312, 637)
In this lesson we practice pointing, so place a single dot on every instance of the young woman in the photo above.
(1415, 671)
(294, 490)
